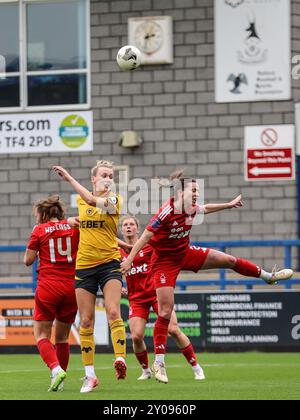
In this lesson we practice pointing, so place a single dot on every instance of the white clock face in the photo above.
(149, 37)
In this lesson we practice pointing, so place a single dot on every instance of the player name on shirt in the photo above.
(51, 229)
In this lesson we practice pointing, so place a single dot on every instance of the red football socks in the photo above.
(161, 335)
(247, 268)
(48, 353)
(63, 355)
(143, 359)
(190, 355)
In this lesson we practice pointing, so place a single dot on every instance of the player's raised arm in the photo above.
(144, 239)
(213, 208)
(74, 222)
(104, 203)
(124, 245)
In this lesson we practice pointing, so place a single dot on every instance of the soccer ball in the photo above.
(129, 58)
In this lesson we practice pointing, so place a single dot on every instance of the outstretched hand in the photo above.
(125, 267)
(74, 222)
(236, 203)
(63, 173)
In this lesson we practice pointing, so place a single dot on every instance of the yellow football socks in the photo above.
(118, 337)
(87, 343)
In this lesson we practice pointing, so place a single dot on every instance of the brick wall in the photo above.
(173, 109)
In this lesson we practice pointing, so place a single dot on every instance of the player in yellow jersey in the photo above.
(98, 265)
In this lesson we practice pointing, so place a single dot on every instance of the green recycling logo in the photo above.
(74, 131)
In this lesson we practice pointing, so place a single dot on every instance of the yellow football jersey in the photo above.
(98, 235)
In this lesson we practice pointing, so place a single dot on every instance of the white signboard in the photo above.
(270, 153)
(253, 50)
(46, 132)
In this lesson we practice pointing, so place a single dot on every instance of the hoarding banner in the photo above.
(16, 323)
(213, 321)
(251, 321)
(46, 132)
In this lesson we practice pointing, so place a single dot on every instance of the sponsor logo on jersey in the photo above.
(138, 270)
(92, 224)
(180, 235)
(177, 230)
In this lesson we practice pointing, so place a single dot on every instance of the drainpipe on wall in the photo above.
(297, 124)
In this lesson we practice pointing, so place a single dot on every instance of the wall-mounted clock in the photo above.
(154, 37)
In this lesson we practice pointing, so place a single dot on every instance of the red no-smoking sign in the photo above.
(269, 137)
(270, 153)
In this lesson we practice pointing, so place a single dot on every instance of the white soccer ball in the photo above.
(129, 58)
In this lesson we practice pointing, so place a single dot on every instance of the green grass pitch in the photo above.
(238, 376)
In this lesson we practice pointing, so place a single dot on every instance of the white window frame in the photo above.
(23, 74)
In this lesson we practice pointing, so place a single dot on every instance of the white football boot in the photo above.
(160, 373)
(146, 375)
(199, 374)
(282, 275)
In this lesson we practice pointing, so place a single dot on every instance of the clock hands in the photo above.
(147, 39)
(148, 36)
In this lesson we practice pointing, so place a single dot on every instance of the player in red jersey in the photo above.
(169, 234)
(142, 297)
(55, 242)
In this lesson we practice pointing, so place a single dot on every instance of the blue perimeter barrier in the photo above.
(222, 282)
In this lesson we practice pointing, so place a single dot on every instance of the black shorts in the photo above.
(93, 278)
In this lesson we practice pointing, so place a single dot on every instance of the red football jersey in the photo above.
(57, 245)
(140, 286)
(171, 230)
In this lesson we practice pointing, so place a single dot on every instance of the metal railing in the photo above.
(222, 281)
